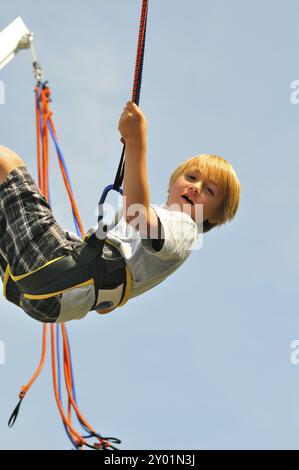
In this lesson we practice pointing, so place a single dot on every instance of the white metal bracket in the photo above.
(14, 37)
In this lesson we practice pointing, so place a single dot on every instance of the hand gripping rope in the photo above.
(45, 129)
(136, 98)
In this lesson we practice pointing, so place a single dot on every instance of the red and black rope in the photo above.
(136, 85)
(140, 54)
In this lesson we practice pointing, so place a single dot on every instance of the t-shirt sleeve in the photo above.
(152, 245)
(179, 234)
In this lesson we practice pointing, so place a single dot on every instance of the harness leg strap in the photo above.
(12, 292)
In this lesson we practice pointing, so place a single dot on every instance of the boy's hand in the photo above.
(132, 124)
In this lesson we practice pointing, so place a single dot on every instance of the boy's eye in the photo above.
(209, 190)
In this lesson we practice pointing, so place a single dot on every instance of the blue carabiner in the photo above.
(108, 188)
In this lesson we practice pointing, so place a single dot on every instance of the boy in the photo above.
(56, 277)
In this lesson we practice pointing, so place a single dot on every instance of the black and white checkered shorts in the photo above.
(29, 237)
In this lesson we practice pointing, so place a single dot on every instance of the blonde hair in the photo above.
(220, 172)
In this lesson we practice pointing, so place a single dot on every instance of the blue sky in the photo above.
(203, 360)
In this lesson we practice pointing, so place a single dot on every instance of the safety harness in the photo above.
(85, 265)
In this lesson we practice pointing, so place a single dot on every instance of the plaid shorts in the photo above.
(29, 237)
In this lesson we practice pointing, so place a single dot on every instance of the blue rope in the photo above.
(66, 171)
(59, 382)
(73, 385)
(59, 152)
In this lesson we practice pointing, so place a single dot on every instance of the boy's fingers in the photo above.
(132, 105)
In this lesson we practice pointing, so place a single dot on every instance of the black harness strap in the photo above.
(64, 273)
(84, 263)
(12, 292)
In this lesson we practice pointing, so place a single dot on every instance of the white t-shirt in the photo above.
(147, 266)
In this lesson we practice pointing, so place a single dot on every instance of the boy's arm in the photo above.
(136, 200)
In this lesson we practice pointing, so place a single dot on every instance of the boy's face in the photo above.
(192, 188)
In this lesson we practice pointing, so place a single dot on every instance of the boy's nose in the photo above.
(197, 188)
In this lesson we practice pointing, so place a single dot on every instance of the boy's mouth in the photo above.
(184, 196)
